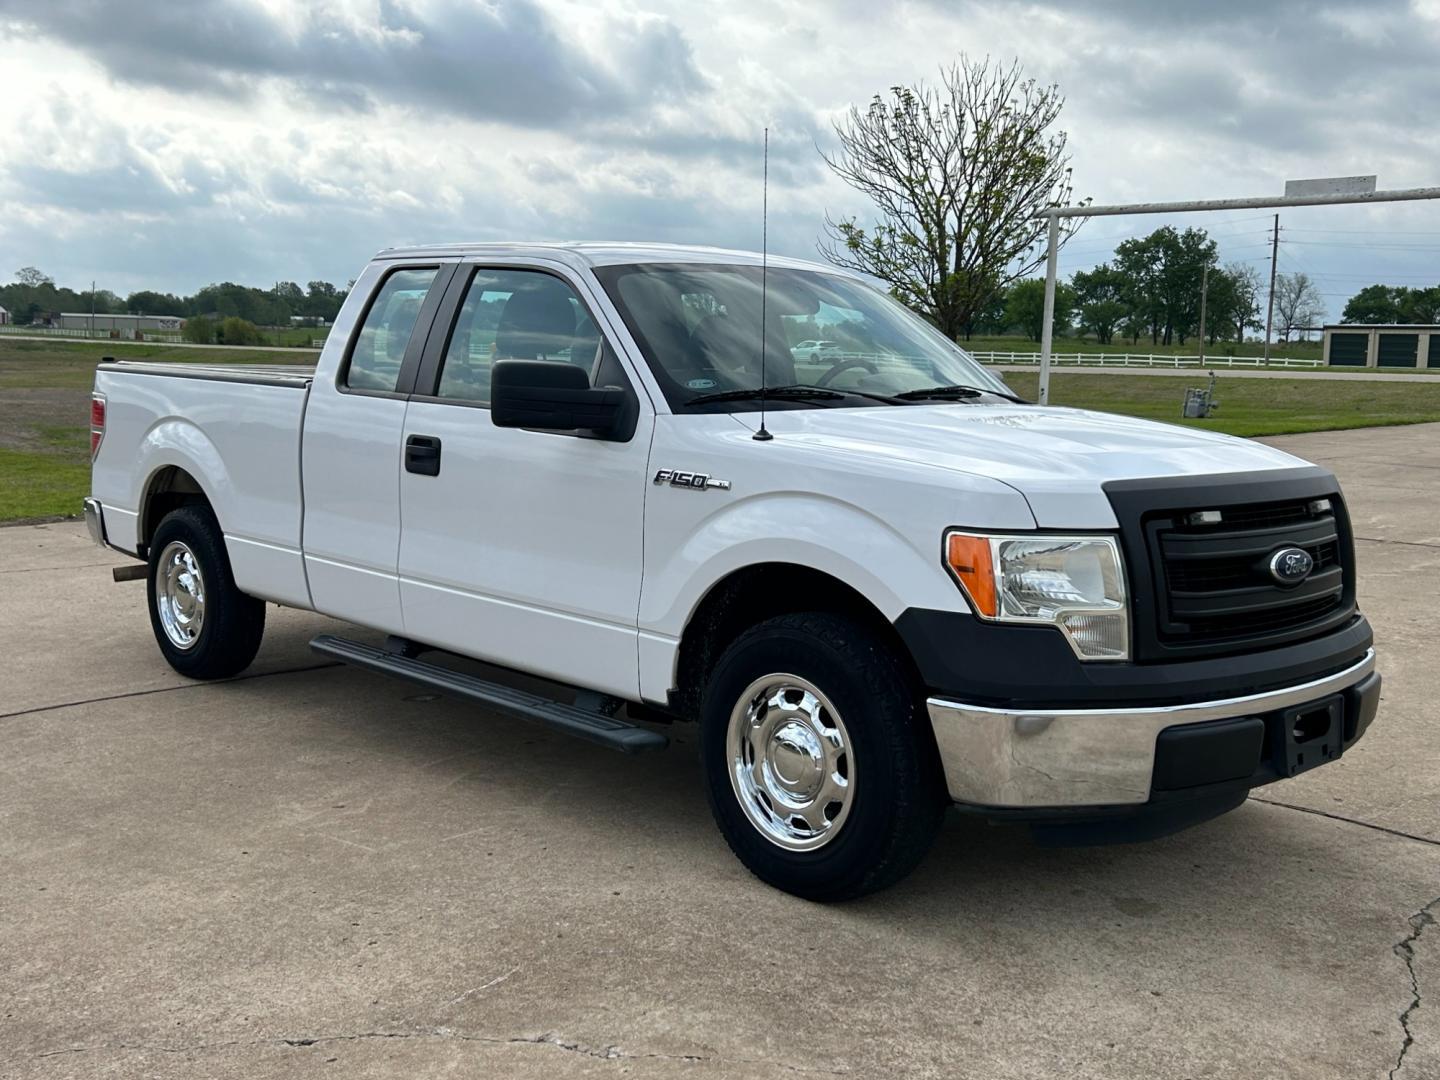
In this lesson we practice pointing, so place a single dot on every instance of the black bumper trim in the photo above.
(966, 658)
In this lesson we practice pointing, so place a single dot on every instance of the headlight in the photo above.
(1075, 583)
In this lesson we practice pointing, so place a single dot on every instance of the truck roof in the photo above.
(603, 253)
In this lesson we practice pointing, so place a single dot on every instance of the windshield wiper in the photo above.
(780, 393)
(956, 393)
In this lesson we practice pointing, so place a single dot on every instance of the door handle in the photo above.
(422, 455)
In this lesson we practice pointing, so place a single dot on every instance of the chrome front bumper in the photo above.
(1084, 757)
(95, 521)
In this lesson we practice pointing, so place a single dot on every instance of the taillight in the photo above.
(97, 423)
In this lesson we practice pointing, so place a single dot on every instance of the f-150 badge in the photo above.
(695, 481)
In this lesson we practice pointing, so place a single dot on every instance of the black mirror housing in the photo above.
(555, 396)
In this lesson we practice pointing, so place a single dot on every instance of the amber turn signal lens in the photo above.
(969, 560)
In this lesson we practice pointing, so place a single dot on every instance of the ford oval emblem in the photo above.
(1291, 565)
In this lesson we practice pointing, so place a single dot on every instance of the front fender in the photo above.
(823, 533)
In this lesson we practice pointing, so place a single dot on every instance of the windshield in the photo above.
(699, 329)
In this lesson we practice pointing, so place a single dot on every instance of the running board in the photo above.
(593, 726)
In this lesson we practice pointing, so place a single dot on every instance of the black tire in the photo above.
(898, 798)
(232, 624)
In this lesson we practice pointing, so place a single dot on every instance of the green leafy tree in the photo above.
(149, 302)
(1420, 305)
(1163, 273)
(199, 330)
(1025, 306)
(1374, 304)
(236, 331)
(956, 174)
(1102, 301)
(1247, 289)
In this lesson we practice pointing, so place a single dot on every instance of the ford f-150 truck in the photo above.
(880, 582)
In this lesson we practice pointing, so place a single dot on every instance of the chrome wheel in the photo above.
(180, 595)
(790, 762)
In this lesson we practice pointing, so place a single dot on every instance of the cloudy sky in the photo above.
(170, 144)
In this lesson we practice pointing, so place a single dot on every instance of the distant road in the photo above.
(53, 339)
(1388, 375)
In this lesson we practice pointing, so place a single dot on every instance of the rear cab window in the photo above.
(378, 350)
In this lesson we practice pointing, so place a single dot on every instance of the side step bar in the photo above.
(593, 726)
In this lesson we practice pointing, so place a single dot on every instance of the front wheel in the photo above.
(205, 626)
(820, 772)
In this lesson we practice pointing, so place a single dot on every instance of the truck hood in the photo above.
(1057, 458)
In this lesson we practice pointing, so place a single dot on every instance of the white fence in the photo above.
(84, 333)
(1141, 360)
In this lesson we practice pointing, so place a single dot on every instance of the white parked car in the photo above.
(876, 602)
(814, 350)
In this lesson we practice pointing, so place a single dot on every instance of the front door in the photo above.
(521, 547)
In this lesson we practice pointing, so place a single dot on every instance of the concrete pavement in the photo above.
(311, 871)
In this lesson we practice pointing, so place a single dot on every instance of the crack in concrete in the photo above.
(609, 1052)
(1405, 950)
(1347, 820)
(169, 689)
(1406, 543)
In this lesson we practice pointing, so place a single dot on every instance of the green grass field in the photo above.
(1247, 406)
(45, 420)
(45, 391)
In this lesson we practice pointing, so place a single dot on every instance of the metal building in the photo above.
(118, 326)
(1387, 345)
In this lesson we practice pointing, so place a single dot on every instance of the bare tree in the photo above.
(956, 173)
(1298, 303)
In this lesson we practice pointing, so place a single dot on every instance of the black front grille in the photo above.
(1208, 565)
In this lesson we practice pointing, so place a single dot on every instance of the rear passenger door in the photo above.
(351, 449)
(522, 547)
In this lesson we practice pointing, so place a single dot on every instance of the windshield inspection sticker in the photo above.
(700, 384)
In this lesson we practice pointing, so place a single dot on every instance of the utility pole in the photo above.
(1270, 312)
(1204, 291)
(92, 307)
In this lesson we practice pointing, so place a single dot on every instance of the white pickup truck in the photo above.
(898, 587)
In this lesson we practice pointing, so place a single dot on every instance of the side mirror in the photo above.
(553, 396)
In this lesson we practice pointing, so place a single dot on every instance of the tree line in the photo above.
(1394, 304)
(1151, 288)
(34, 296)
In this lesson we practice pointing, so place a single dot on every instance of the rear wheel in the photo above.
(819, 771)
(205, 626)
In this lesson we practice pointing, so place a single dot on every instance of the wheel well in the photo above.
(170, 488)
(752, 595)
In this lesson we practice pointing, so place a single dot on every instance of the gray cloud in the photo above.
(507, 62)
(562, 119)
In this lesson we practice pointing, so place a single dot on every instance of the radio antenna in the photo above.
(763, 435)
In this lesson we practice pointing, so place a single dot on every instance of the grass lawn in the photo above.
(1247, 406)
(45, 400)
(45, 416)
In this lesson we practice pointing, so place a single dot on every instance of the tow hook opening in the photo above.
(1310, 725)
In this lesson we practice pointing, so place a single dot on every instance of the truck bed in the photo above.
(232, 431)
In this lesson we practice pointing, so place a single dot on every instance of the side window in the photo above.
(518, 315)
(380, 345)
